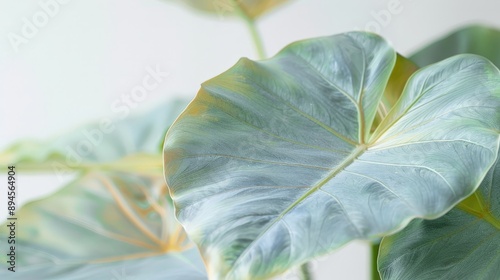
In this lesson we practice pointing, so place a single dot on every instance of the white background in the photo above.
(93, 51)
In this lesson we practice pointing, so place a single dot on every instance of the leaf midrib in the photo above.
(360, 149)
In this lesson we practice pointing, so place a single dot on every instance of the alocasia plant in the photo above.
(277, 162)
(464, 243)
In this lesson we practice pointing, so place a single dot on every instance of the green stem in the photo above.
(305, 273)
(252, 26)
(374, 257)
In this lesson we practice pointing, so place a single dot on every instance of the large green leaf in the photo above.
(251, 8)
(463, 244)
(131, 144)
(273, 163)
(474, 39)
(102, 226)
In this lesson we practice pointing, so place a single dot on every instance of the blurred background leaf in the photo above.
(475, 39)
(101, 224)
(259, 161)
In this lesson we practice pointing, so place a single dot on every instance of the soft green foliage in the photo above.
(474, 39)
(463, 244)
(251, 8)
(277, 162)
(115, 220)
